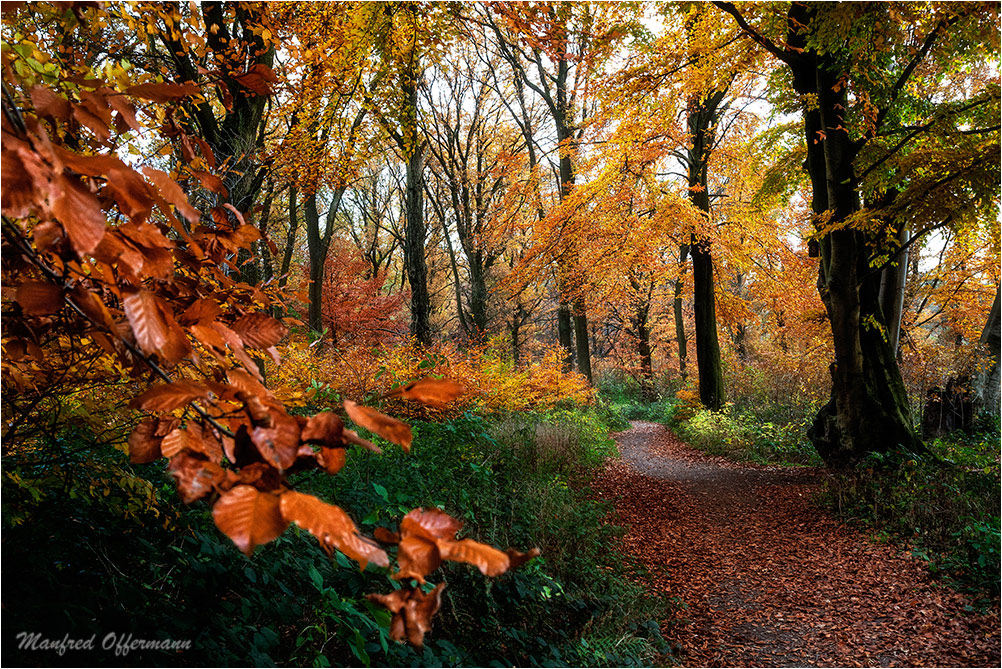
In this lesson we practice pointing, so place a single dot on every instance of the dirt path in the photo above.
(769, 578)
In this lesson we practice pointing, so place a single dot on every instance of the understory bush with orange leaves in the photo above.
(311, 375)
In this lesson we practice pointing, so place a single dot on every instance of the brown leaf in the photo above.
(258, 78)
(142, 308)
(388, 428)
(196, 477)
(249, 517)
(279, 443)
(48, 103)
(211, 182)
(490, 561)
(412, 611)
(386, 536)
(430, 523)
(39, 299)
(417, 557)
(332, 459)
(145, 440)
(125, 110)
(259, 330)
(169, 396)
(351, 437)
(433, 392)
(517, 559)
(172, 193)
(324, 428)
(175, 442)
(80, 213)
(331, 526)
(162, 92)
(200, 311)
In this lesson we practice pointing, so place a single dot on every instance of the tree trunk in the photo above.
(676, 305)
(564, 333)
(986, 377)
(414, 238)
(892, 293)
(318, 255)
(581, 338)
(868, 410)
(642, 330)
(290, 239)
(711, 379)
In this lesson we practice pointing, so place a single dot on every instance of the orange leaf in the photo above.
(249, 517)
(331, 526)
(172, 193)
(517, 559)
(278, 444)
(324, 428)
(39, 299)
(490, 561)
(142, 308)
(351, 437)
(80, 213)
(196, 477)
(388, 428)
(430, 523)
(162, 92)
(433, 392)
(412, 611)
(211, 182)
(259, 330)
(145, 440)
(169, 396)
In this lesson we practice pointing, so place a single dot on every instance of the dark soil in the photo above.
(768, 577)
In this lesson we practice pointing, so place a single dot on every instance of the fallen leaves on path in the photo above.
(771, 579)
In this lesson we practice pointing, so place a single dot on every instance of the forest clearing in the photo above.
(501, 333)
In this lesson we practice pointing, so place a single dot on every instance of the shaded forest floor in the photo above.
(769, 578)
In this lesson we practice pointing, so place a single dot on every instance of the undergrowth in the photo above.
(91, 558)
(945, 505)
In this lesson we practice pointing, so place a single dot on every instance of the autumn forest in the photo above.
(501, 333)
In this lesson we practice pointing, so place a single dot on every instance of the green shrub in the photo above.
(948, 512)
(742, 435)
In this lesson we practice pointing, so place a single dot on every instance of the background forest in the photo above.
(772, 226)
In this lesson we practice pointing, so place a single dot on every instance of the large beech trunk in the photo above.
(868, 409)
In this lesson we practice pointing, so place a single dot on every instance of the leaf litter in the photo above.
(768, 577)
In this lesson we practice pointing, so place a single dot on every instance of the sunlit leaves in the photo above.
(249, 517)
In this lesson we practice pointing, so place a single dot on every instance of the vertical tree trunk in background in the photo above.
(314, 241)
(642, 330)
(478, 297)
(581, 338)
(564, 335)
(414, 239)
(290, 239)
(413, 148)
(679, 316)
(893, 280)
(702, 117)
(986, 377)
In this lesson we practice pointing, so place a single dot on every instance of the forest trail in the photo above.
(769, 578)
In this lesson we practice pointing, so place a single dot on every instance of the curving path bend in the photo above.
(769, 579)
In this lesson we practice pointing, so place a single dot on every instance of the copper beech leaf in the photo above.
(489, 560)
(172, 193)
(249, 517)
(146, 438)
(158, 92)
(278, 444)
(433, 392)
(386, 427)
(412, 610)
(332, 527)
(146, 319)
(324, 428)
(169, 396)
(196, 477)
(351, 437)
(258, 330)
(517, 559)
(39, 299)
